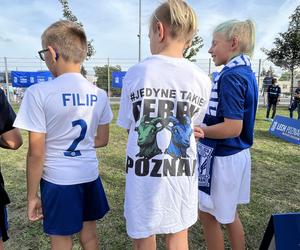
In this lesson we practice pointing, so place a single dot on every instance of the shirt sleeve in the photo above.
(31, 115)
(232, 97)
(107, 114)
(200, 116)
(7, 114)
(207, 92)
(123, 119)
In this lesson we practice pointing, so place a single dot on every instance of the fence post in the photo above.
(108, 78)
(6, 79)
(259, 72)
(140, 29)
(209, 66)
(292, 85)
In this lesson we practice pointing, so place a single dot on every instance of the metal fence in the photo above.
(35, 64)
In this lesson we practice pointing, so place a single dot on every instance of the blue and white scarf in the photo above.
(206, 147)
(241, 60)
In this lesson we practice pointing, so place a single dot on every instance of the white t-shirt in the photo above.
(162, 99)
(68, 110)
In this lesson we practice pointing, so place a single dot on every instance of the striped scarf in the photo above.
(241, 60)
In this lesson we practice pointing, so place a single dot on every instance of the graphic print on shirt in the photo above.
(205, 158)
(180, 140)
(147, 131)
(155, 110)
(181, 134)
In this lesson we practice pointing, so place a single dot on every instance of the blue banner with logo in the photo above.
(286, 128)
(25, 79)
(117, 79)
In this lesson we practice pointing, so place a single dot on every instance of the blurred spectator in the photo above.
(273, 98)
(296, 102)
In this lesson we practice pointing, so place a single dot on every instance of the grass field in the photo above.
(275, 189)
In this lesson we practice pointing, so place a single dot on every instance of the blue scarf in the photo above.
(206, 147)
(206, 152)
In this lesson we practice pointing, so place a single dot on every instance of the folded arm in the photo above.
(11, 139)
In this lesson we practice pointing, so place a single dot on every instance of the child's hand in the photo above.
(198, 132)
(34, 209)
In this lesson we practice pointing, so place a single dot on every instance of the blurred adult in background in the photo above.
(296, 102)
(273, 98)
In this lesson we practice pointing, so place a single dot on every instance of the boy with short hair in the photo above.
(67, 118)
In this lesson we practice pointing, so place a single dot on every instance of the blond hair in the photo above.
(244, 31)
(179, 17)
(68, 39)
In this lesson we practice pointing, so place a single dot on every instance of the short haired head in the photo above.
(68, 39)
(274, 80)
(244, 31)
(179, 17)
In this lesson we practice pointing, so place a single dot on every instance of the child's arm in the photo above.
(35, 165)
(11, 139)
(102, 136)
(228, 129)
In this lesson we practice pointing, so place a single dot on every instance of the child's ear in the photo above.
(53, 54)
(188, 44)
(235, 43)
(161, 31)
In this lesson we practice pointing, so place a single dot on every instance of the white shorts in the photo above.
(230, 186)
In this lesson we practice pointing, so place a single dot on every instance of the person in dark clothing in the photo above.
(10, 138)
(273, 98)
(296, 102)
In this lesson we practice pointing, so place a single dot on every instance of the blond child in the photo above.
(224, 176)
(162, 98)
(67, 118)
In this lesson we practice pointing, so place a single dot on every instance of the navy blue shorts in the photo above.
(66, 207)
(6, 222)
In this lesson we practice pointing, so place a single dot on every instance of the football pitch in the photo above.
(275, 188)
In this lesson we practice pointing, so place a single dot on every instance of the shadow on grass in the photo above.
(264, 134)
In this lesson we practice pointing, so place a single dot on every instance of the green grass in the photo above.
(275, 189)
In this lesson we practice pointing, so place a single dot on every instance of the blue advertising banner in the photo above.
(117, 79)
(25, 79)
(286, 128)
(282, 232)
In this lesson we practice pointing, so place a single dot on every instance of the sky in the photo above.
(113, 24)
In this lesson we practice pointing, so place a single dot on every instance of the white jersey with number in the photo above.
(68, 110)
(162, 99)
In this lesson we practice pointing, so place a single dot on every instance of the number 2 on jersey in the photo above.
(71, 152)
